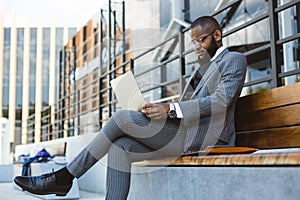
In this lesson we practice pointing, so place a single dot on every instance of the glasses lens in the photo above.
(197, 41)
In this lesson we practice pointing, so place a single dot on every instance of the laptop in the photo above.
(127, 92)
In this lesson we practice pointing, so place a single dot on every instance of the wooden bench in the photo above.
(268, 121)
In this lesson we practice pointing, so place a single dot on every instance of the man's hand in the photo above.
(156, 110)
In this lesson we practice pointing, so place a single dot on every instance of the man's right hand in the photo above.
(156, 110)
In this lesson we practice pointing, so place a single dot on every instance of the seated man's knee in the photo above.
(123, 143)
(121, 114)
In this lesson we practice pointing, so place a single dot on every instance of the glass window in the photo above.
(6, 72)
(59, 46)
(288, 22)
(33, 43)
(282, 2)
(201, 8)
(290, 60)
(45, 68)
(19, 75)
(255, 35)
(72, 32)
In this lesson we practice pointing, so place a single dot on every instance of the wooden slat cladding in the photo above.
(287, 137)
(266, 159)
(269, 118)
(269, 99)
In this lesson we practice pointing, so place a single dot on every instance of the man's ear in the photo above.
(218, 35)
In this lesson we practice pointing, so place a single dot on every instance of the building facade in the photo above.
(155, 45)
(28, 70)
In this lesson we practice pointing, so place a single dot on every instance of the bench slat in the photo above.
(269, 118)
(269, 99)
(287, 137)
(291, 158)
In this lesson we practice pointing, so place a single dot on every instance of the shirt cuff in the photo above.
(178, 110)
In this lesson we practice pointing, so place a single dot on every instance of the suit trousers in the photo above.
(128, 136)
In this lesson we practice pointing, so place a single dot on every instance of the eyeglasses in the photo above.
(200, 40)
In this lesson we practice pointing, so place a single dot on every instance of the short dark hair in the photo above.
(207, 22)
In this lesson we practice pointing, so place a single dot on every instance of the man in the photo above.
(202, 117)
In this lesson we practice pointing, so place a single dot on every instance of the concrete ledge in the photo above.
(211, 183)
(6, 173)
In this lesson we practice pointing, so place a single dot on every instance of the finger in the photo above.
(156, 115)
(147, 105)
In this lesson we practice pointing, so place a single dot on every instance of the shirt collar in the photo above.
(222, 48)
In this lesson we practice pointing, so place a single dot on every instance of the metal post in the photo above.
(275, 50)
(63, 94)
(163, 78)
(186, 10)
(115, 43)
(58, 106)
(75, 121)
(115, 54)
(78, 112)
(132, 65)
(181, 60)
(109, 58)
(123, 36)
(100, 69)
(69, 67)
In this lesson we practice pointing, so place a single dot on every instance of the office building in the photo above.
(28, 70)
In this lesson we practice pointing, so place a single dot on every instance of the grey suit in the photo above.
(210, 110)
(128, 136)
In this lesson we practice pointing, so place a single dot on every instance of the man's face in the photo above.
(204, 43)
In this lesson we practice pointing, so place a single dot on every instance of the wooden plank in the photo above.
(225, 149)
(267, 159)
(287, 137)
(269, 118)
(269, 99)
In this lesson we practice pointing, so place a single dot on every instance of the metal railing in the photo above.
(70, 118)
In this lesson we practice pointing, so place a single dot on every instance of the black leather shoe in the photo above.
(42, 185)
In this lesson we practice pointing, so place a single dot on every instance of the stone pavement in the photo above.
(7, 192)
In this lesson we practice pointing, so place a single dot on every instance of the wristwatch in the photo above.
(172, 112)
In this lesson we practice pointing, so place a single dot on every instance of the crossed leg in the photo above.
(128, 136)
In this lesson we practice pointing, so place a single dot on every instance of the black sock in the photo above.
(63, 176)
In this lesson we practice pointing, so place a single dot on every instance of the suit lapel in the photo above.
(213, 67)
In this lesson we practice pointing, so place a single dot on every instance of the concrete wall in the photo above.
(211, 183)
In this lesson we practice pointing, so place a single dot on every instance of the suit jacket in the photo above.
(209, 113)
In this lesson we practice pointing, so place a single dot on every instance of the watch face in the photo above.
(172, 114)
